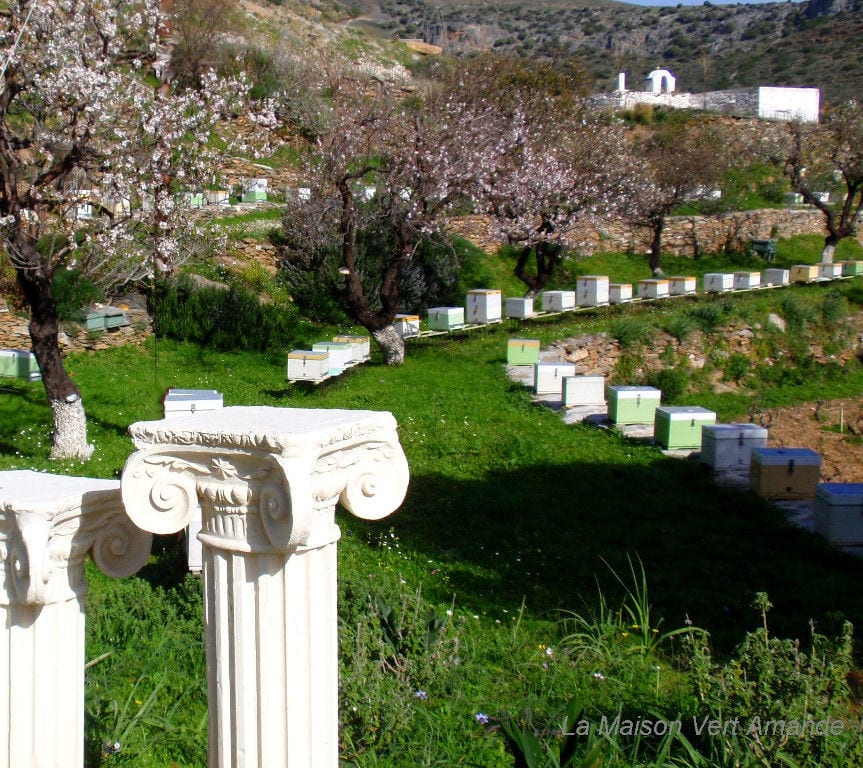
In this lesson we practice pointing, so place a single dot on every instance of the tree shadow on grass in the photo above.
(551, 533)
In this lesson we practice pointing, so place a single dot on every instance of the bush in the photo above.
(232, 319)
(72, 292)
(630, 331)
(672, 382)
(737, 365)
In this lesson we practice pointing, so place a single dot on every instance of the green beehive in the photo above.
(679, 426)
(93, 319)
(632, 405)
(522, 351)
(853, 268)
(114, 318)
(19, 364)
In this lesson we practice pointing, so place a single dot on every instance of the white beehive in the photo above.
(308, 365)
(619, 293)
(361, 345)
(180, 402)
(682, 286)
(518, 307)
(830, 271)
(407, 325)
(341, 355)
(718, 282)
(583, 390)
(746, 280)
(653, 288)
(804, 273)
(839, 512)
(592, 291)
(484, 306)
(548, 377)
(446, 318)
(558, 301)
(776, 276)
(727, 446)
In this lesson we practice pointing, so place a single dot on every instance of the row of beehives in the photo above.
(328, 358)
(774, 473)
(485, 306)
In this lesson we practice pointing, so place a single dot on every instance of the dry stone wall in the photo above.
(684, 235)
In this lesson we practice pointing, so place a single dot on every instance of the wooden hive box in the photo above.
(727, 446)
(522, 351)
(632, 404)
(679, 426)
(784, 473)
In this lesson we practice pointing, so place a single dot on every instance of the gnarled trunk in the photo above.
(828, 251)
(69, 440)
(654, 260)
(391, 343)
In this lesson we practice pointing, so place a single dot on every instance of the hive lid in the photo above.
(841, 494)
(785, 455)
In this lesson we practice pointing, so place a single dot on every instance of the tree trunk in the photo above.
(654, 260)
(391, 343)
(828, 251)
(69, 440)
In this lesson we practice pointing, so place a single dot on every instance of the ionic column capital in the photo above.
(268, 479)
(49, 523)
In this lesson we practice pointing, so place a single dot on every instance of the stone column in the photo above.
(48, 524)
(268, 481)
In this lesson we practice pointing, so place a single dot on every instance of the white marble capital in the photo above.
(268, 481)
(48, 524)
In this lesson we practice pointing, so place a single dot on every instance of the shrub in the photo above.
(737, 365)
(72, 292)
(672, 382)
(708, 317)
(680, 326)
(630, 331)
(223, 319)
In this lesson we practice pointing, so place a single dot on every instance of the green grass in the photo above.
(512, 520)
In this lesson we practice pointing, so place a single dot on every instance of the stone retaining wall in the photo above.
(684, 235)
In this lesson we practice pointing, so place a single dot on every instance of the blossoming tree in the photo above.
(819, 156)
(80, 124)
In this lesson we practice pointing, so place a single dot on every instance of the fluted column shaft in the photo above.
(48, 524)
(268, 481)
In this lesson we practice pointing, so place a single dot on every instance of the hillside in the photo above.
(815, 43)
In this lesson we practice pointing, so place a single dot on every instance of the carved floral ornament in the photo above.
(267, 479)
(44, 537)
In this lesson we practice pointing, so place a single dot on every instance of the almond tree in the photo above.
(389, 169)
(673, 164)
(76, 115)
(818, 157)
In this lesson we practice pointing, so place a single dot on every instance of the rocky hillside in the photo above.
(813, 43)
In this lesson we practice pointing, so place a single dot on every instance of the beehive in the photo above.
(592, 291)
(180, 402)
(804, 273)
(830, 271)
(548, 377)
(341, 355)
(839, 512)
(679, 426)
(308, 365)
(682, 286)
(852, 268)
(446, 318)
(745, 280)
(484, 306)
(583, 390)
(776, 276)
(407, 325)
(619, 293)
(632, 404)
(558, 301)
(784, 473)
(361, 346)
(19, 364)
(718, 282)
(727, 446)
(519, 307)
(653, 289)
(522, 351)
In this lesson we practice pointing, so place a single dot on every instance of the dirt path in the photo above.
(816, 426)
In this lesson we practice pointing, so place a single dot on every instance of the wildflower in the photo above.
(598, 676)
(549, 651)
(481, 718)
(421, 694)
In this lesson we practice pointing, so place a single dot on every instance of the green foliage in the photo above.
(73, 292)
(737, 366)
(631, 332)
(679, 325)
(673, 382)
(709, 316)
(224, 319)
